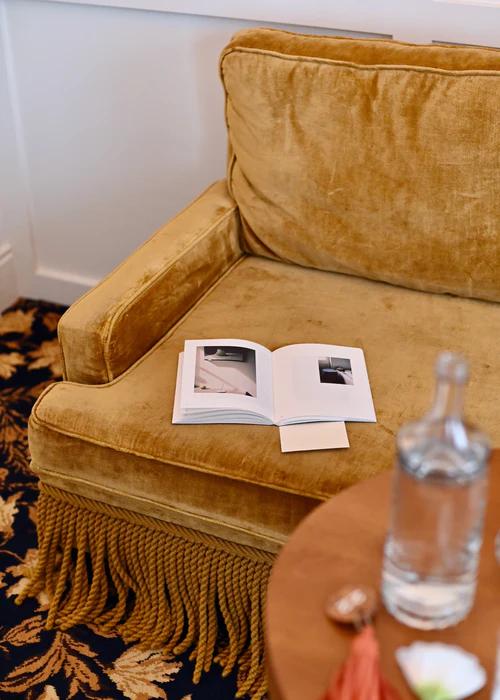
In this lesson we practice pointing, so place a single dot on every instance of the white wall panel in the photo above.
(472, 21)
(16, 250)
(122, 121)
(114, 113)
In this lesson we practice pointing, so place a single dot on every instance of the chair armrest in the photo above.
(115, 323)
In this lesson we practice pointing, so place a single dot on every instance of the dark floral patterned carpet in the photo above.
(49, 665)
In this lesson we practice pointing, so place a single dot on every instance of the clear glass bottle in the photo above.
(432, 548)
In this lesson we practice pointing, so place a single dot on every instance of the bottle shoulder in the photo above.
(444, 446)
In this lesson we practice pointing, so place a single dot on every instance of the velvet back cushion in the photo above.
(368, 157)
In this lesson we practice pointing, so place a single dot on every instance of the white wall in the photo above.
(111, 117)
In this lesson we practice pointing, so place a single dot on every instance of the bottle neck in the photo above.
(448, 400)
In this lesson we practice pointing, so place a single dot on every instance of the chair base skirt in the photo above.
(156, 583)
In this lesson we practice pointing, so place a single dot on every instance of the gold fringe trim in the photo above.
(157, 583)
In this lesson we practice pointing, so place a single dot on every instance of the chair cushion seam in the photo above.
(372, 40)
(361, 66)
(35, 418)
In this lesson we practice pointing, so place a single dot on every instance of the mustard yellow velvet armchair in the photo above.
(361, 208)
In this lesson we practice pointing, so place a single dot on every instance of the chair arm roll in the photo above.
(115, 323)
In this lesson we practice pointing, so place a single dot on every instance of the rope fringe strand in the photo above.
(156, 583)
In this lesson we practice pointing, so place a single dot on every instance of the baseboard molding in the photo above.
(8, 285)
(58, 286)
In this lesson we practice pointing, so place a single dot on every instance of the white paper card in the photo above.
(313, 436)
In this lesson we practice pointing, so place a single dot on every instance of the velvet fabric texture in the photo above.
(372, 158)
(116, 441)
(113, 325)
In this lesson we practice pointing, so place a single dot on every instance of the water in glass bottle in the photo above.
(439, 492)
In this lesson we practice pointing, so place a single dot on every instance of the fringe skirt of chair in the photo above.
(160, 584)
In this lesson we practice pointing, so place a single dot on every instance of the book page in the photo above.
(227, 374)
(321, 382)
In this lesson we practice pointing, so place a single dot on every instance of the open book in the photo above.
(237, 381)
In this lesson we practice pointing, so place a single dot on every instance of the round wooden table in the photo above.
(340, 543)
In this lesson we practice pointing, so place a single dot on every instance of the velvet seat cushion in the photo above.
(115, 442)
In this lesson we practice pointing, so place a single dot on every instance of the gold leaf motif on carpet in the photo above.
(49, 693)
(13, 437)
(136, 671)
(65, 654)
(8, 511)
(9, 362)
(17, 322)
(50, 320)
(25, 570)
(48, 354)
(27, 632)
